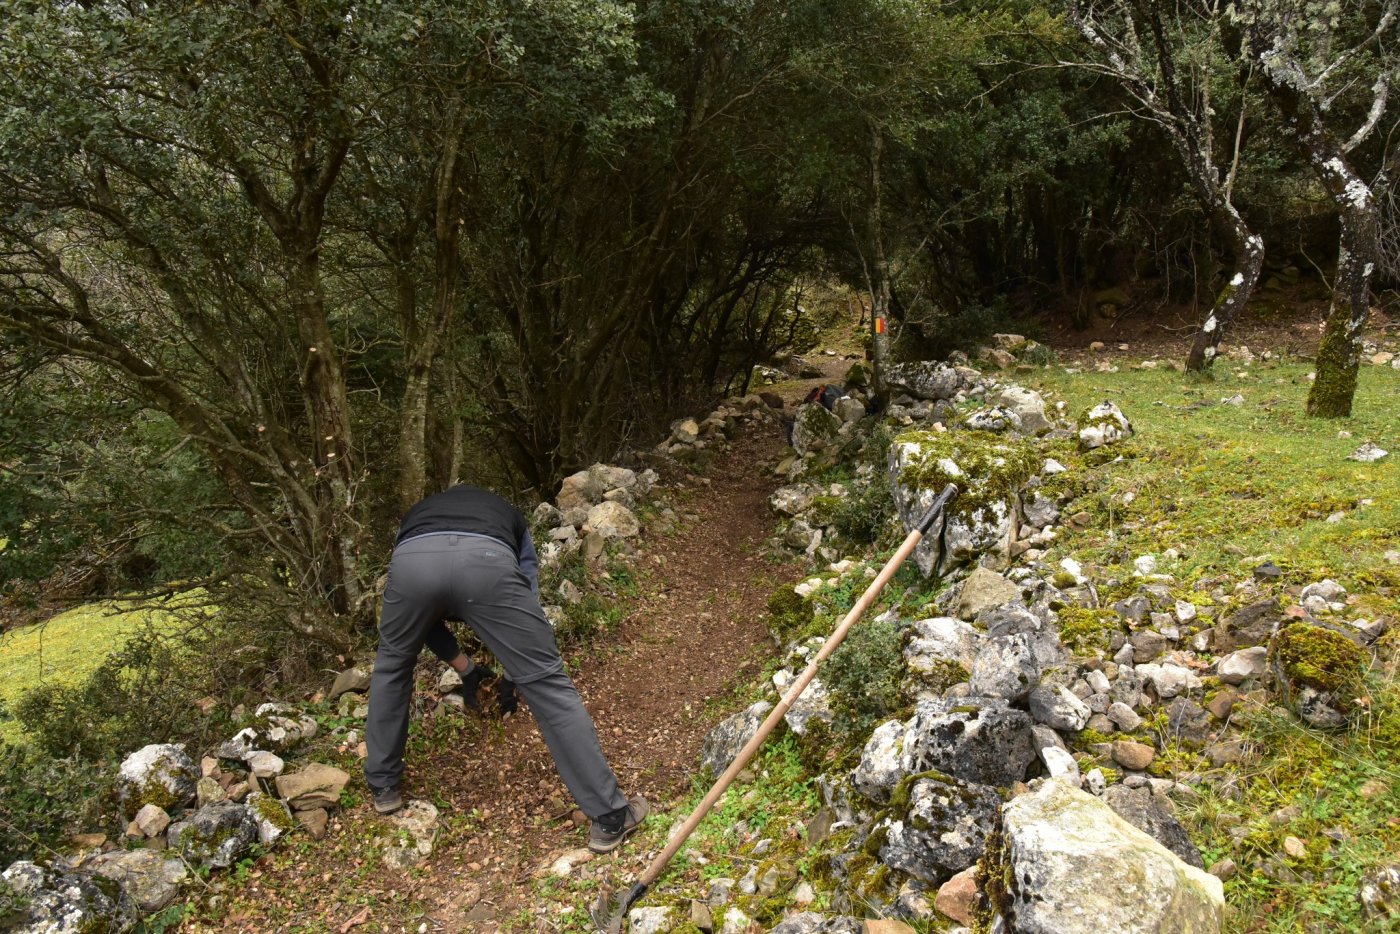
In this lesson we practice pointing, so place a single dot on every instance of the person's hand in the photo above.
(507, 701)
(471, 683)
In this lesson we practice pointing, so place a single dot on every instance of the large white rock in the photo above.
(791, 500)
(613, 520)
(925, 379)
(938, 641)
(848, 410)
(1104, 424)
(1168, 679)
(881, 763)
(159, 774)
(1056, 707)
(649, 920)
(1238, 667)
(417, 825)
(1076, 866)
(1028, 406)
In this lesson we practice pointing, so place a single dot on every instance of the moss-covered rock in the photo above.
(813, 428)
(159, 774)
(789, 615)
(216, 835)
(1084, 631)
(1318, 671)
(822, 511)
(989, 472)
(1317, 657)
(1102, 425)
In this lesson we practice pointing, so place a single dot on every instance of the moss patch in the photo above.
(986, 468)
(1317, 657)
(788, 613)
(61, 650)
(1085, 631)
(943, 674)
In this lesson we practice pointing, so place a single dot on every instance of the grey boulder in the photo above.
(936, 643)
(1005, 667)
(58, 902)
(813, 428)
(1075, 865)
(1056, 706)
(216, 835)
(976, 739)
(1155, 815)
(149, 878)
(726, 739)
(924, 380)
(945, 830)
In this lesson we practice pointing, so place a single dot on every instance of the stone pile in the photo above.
(1000, 700)
(183, 818)
(989, 454)
(1052, 729)
(593, 507)
(690, 438)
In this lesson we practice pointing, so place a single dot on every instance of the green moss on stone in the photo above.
(274, 812)
(152, 791)
(995, 880)
(990, 469)
(1086, 630)
(1088, 738)
(877, 839)
(899, 797)
(1317, 657)
(822, 511)
(789, 613)
(943, 674)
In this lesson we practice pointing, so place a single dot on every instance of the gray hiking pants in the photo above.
(477, 580)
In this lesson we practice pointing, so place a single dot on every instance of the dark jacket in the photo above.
(470, 509)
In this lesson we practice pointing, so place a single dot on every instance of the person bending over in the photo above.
(467, 553)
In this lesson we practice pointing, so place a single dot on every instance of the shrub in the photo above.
(42, 800)
(865, 512)
(865, 677)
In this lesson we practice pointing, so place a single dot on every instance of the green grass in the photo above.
(64, 650)
(1224, 483)
(1228, 486)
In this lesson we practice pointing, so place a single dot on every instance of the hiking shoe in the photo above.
(388, 801)
(602, 840)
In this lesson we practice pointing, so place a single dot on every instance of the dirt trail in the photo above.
(695, 630)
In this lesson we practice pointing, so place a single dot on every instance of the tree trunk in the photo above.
(880, 271)
(1339, 356)
(1249, 263)
(422, 342)
(324, 390)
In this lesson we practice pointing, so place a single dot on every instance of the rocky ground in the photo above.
(1064, 719)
